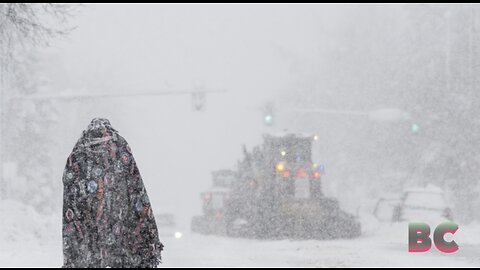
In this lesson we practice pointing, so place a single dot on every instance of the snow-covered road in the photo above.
(198, 250)
(195, 250)
(29, 239)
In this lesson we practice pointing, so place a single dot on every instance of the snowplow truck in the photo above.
(276, 194)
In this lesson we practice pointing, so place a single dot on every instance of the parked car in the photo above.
(426, 204)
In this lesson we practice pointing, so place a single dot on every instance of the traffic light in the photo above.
(415, 128)
(268, 114)
(268, 119)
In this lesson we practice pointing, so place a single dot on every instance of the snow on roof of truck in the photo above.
(428, 189)
(285, 134)
(217, 190)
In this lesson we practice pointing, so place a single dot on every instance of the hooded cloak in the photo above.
(107, 217)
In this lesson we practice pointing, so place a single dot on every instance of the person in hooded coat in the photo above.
(107, 216)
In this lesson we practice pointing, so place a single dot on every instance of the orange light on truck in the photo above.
(280, 167)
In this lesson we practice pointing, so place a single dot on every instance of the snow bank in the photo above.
(22, 223)
(468, 234)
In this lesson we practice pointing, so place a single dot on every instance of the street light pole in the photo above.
(3, 85)
(380, 115)
(117, 95)
(2, 120)
(447, 16)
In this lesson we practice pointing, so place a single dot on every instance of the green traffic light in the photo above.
(415, 128)
(268, 119)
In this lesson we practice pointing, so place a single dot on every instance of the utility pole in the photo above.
(471, 42)
(447, 16)
(3, 85)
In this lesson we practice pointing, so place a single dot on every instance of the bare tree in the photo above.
(31, 24)
(24, 26)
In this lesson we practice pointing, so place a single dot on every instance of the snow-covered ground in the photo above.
(206, 251)
(30, 239)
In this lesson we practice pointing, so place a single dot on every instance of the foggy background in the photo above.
(390, 90)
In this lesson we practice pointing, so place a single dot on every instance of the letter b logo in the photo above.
(419, 237)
